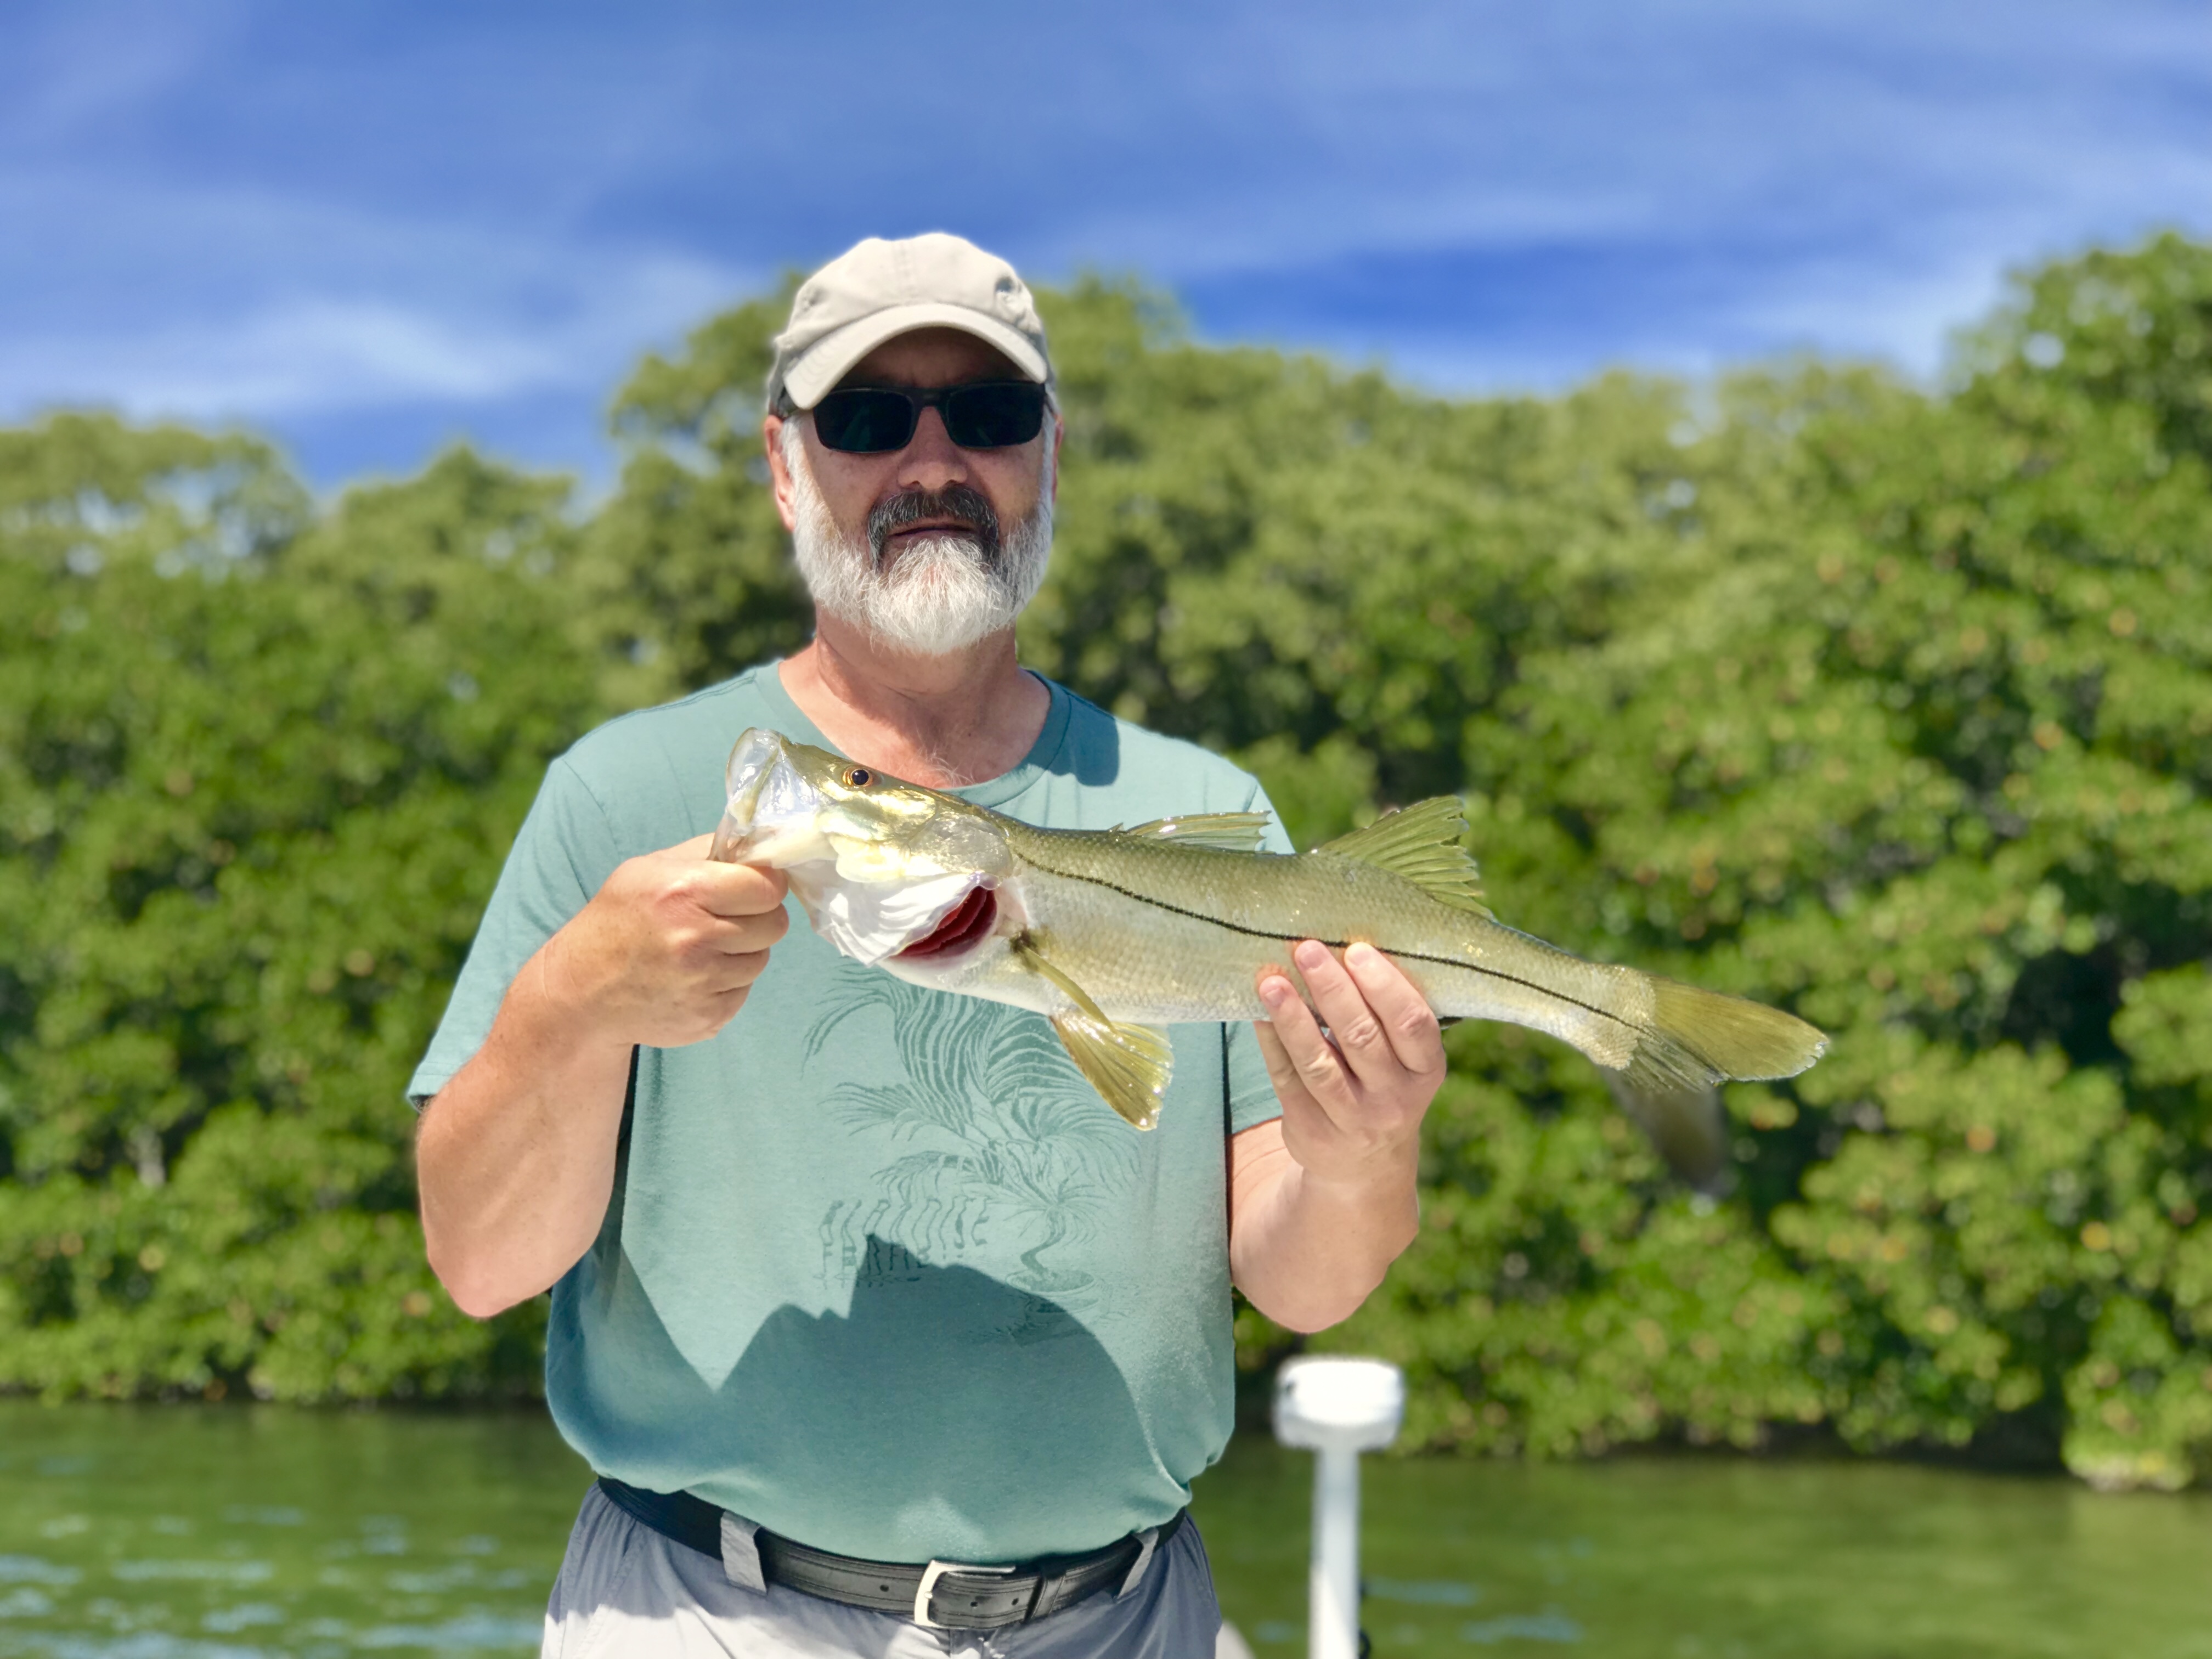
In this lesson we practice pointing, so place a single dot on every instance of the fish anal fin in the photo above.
(1420, 845)
(1686, 1126)
(1128, 1065)
(1234, 832)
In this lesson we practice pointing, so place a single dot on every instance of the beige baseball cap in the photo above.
(878, 289)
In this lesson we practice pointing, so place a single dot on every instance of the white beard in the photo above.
(943, 594)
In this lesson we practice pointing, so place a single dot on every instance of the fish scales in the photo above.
(1160, 933)
(1110, 934)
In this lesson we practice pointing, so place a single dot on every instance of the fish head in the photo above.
(877, 861)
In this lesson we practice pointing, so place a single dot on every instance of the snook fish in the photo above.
(1112, 934)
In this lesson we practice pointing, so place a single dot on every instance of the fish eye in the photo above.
(857, 777)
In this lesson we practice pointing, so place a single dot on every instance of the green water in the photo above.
(188, 1532)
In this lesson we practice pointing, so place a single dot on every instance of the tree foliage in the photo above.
(258, 769)
(1891, 706)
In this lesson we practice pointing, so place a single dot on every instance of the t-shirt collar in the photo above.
(792, 721)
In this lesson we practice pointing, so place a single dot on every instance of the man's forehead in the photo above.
(932, 356)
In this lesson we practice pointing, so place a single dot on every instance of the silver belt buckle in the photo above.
(926, 1590)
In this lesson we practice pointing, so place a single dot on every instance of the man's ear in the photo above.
(1059, 437)
(779, 475)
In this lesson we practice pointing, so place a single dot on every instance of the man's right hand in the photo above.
(667, 950)
(516, 1158)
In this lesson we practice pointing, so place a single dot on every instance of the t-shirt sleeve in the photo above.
(561, 854)
(1251, 1096)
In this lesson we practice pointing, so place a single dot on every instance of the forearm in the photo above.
(515, 1155)
(516, 1158)
(1306, 1251)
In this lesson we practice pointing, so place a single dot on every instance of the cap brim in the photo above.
(830, 358)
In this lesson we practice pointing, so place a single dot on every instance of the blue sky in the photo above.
(366, 229)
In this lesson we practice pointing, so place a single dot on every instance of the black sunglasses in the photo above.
(871, 420)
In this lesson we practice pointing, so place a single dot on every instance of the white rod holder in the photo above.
(1333, 1623)
(1337, 1409)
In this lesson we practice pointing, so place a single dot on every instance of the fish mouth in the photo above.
(961, 927)
(767, 797)
(861, 894)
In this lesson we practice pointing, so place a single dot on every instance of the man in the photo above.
(884, 1334)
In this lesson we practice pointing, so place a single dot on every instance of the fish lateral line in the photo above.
(1344, 944)
(919, 855)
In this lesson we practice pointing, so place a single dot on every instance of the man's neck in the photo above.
(941, 721)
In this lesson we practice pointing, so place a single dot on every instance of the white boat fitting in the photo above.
(1337, 1409)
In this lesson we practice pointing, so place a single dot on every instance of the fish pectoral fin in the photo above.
(1128, 1065)
(1236, 832)
(1421, 845)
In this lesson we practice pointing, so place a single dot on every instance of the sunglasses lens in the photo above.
(994, 417)
(870, 420)
(864, 422)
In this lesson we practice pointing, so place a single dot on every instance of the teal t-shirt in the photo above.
(881, 1272)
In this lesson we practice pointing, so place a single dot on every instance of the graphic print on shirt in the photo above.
(1012, 1153)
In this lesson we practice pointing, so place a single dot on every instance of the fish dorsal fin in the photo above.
(1234, 832)
(1421, 844)
(1128, 1065)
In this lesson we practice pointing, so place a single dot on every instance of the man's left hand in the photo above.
(1353, 1096)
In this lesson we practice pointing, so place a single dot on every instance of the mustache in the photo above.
(955, 500)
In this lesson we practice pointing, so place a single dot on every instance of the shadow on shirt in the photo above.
(1091, 751)
(945, 1407)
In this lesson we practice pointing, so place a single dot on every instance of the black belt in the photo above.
(942, 1595)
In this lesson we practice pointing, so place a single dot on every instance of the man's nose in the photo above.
(931, 459)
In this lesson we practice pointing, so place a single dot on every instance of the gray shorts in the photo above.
(626, 1592)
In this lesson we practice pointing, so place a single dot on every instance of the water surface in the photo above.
(213, 1532)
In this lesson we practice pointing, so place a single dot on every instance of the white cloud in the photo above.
(278, 306)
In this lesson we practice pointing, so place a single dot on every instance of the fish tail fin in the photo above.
(1702, 1039)
(1697, 1039)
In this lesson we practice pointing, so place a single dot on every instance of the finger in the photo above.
(738, 972)
(698, 847)
(1290, 1088)
(1358, 1033)
(710, 1014)
(1407, 1020)
(737, 890)
(1314, 1059)
(719, 977)
(732, 936)
(1304, 1117)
